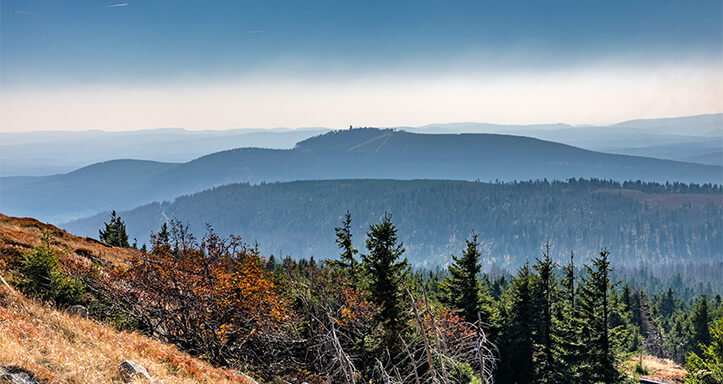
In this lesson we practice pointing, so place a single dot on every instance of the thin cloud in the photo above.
(117, 5)
(254, 31)
(24, 13)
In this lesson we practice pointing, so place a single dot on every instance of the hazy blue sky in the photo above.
(264, 63)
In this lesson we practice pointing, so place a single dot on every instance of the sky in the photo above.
(127, 65)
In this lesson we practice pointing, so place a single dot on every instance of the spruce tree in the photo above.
(386, 273)
(461, 289)
(595, 309)
(515, 342)
(666, 305)
(343, 241)
(545, 288)
(708, 366)
(163, 235)
(115, 232)
(699, 319)
(161, 241)
(568, 283)
(567, 323)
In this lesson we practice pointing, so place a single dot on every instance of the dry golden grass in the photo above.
(660, 369)
(18, 235)
(59, 348)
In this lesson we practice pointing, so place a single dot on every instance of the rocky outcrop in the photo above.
(16, 376)
(78, 310)
(246, 378)
(131, 371)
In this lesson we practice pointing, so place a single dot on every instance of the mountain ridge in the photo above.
(345, 154)
(38, 153)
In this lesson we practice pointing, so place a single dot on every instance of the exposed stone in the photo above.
(79, 310)
(244, 376)
(16, 376)
(131, 371)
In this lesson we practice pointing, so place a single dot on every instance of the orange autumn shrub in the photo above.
(214, 299)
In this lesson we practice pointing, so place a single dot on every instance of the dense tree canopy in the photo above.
(640, 223)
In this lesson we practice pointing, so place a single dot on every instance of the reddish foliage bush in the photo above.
(213, 298)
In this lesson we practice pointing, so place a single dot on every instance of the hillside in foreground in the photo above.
(54, 346)
(218, 299)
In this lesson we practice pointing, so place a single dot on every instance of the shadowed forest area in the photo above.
(642, 224)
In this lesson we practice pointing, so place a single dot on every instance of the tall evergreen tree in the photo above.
(163, 235)
(595, 309)
(161, 241)
(544, 287)
(708, 366)
(516, 339)
(115, 232)
(461, 289)
(567, 320)
(700, 333)
(386, 273)
(568, 283)
(343, 239)
(666, 304)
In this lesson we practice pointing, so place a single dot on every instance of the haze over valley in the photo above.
(343, 154)
(694, 139)
(361, 192)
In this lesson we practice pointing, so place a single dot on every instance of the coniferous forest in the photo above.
(661, 226)
(368, 316)
(361, 192)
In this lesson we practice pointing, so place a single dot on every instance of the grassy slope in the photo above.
(59, 348)
(18, 235)
(664, 370)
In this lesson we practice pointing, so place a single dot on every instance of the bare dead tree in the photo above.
(436, 345)
(330, 339)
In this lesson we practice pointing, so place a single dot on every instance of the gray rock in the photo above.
(16, 376)
(79, 310)
(244, 376)
(131, 371)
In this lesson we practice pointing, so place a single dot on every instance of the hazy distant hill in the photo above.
(638, 224)
(44, 153)
(679, 138)
(81, 192)
(704, 151)
(700, 125)
(714, 157)
(356, 153)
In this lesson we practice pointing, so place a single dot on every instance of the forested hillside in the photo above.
(365, 318)
(640, 223)
(347, 154)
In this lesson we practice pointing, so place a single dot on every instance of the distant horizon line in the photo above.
(312, 128)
